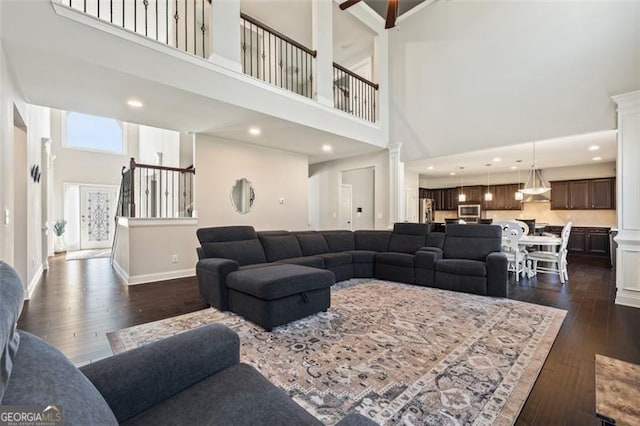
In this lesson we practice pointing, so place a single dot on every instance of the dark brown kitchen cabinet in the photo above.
(503, 198)
(584, 240)
(583, 194)
(603, 193)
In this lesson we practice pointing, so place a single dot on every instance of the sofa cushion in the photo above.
(397, 259)
(42, 375)
(435, 239)
(421, 229)
(277, 281)
(312, 243)
(363, 256)
(372, 240)
(312, 261)
(220, 234)
(11, 294)
(473, 242)
(238, 395)
(462, 267)
(408, 237)
(331, 260)
(280, 246)
(339, 241)
(244, 252)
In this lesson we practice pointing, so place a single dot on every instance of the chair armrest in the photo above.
(212, 280)
(426, 257)
(136, 380)
(497, 275)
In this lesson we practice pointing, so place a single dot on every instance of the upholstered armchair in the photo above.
(470, 261)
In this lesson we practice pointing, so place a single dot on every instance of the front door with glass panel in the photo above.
(97, 210)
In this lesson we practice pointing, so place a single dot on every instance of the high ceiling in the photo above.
(380, 6)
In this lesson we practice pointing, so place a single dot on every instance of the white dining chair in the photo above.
(556, 259)
(512, 232)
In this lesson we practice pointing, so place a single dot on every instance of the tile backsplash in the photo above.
(542, 213)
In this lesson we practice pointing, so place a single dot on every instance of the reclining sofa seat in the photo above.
(194, 377)
(397, 262)
(470, 261)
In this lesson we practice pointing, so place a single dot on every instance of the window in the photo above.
(94, 133)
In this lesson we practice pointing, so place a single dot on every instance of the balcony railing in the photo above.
(275, 58)
(177, 23)
(354, 94)
(150, 191)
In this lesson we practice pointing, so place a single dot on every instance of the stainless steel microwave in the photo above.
(471, 211)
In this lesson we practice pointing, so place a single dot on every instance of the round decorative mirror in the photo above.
(243, 196)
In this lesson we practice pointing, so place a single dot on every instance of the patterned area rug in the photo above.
(398, 354)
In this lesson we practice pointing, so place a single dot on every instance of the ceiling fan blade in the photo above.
(347, 4)
(392, 14)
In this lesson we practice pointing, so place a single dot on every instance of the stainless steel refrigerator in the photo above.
(426, 210)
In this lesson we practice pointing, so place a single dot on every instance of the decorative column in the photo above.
(396, 181)
(628, 200)
(322, 12)
(224, 34)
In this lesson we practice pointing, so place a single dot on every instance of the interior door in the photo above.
(346, 212)
(411, 205)
(97, 211)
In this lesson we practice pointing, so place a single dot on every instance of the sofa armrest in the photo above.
(212, 280)
(426, 257)
(356, 419)
(136, 380)
(497, 275)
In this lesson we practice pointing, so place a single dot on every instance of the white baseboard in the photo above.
(150, 278)
(34, 282)
(628, 298)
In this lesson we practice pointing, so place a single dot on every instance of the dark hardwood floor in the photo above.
(78, 301)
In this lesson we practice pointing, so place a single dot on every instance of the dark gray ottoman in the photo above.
(278, 294)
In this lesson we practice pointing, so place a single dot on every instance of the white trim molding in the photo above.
(151, 278)
(628, 200)
(31, 288)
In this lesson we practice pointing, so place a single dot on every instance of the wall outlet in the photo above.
(281, 200)
(174, 258)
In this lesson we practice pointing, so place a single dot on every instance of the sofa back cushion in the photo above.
(279, 245)
(473, 242)
(408, 237)
(11, 294)
(339, 241)
(435, 239)
(43, 375)
(239, 243)
(312, 242)
(372, 240)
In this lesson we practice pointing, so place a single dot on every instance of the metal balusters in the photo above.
(354, 94)
(275, 58)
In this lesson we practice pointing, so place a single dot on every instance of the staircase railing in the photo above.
(354, 94)
(275, 58)
(150, 191)
(177, 23)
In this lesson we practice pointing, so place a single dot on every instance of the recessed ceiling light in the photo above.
(430, 168)
(514, 167)
(497, 159)
(134, 103)
(594, 148)
(452, 173)
(327, 148)
(597, 158)
(254, 131)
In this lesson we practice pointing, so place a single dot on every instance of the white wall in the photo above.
(37, 124)
(475, 74)
(153, 141)
(411, 189)
(274, 174)
(326, 179)
(589, 171)
(362, 182)
(186, 150)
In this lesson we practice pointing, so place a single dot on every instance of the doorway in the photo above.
(20, 182)
(362, 182)
(411, 205)
(89, 211)
(346, 201)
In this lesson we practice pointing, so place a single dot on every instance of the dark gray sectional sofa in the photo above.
(192, 378)
(465, 258)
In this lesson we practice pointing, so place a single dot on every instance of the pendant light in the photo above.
(488, 196)
(461, 197)
(519, 195)
(535, 184)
